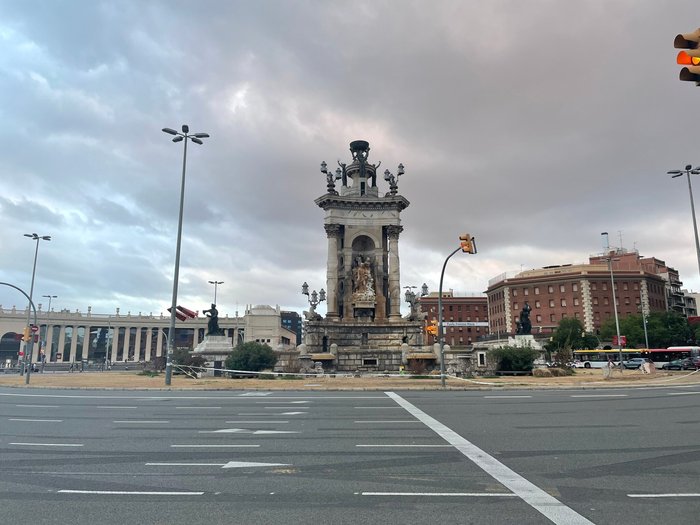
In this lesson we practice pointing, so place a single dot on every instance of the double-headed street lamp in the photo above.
(35, 237)
(606, 246)
(688, 171)
(216, 285)
(186, 137)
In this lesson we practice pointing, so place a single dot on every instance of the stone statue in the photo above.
(524, 324)
(363, 283)
(213, 324)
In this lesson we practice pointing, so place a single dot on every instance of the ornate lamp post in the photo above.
(184, 137)
(315, 298)
(46, 332)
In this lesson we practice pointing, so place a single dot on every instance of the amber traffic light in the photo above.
(467, 243)
(689, 58)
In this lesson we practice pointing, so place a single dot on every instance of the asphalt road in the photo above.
(607, 456)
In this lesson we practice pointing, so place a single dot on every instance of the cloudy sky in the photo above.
(533, 125)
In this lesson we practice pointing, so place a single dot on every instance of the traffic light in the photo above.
(26, 335)
(432, 329)
(468, 244)
(187, 312)
(690, 58)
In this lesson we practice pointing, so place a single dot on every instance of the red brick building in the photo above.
(580, 291)
(457, 309)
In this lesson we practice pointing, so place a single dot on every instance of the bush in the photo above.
(251, 357)
(515, 359)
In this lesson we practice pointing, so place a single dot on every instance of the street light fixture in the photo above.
(688, 171)
(196, 138)
(46, 332)
(606, 246)
(216, 285)
(35, 237)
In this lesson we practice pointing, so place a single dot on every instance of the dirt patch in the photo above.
(132, 380)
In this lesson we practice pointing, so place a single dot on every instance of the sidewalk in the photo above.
(132, 380)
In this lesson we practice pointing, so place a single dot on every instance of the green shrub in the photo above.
(251, 357)
(514, 359)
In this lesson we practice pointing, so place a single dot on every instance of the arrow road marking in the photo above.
(246, 431)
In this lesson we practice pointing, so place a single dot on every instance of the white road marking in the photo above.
(112, 406)
(214, 446)
(198, 408)
(682, 393)
(130, 421)
(37, 420)
(376, 408)
(416, 446)
(255, 394)
(534, 496)
(268, 414)
(48, 444)
(507, 397)
(462, 494)
(386, 421)
(257, 422)
(230, 464)
(129, 493)
(246, 431)
(38, 406)
(277, 401)
(598, 395)
(676, 495)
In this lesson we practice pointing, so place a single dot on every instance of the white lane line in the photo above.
(672, 495)
(682, 393)
(247, 431)
(259, 422)
(598, 395)
(214, 446)
(198, 408)
(462, 494)
(376, 408)
(268, 414)
(129, 493)
(412, 446)
(48, 444)
(230, 464)
(37, 420)
(277, 401)
(386, 421)
(507, 397)
(37, 406)
(131, 421)
(534, 496)
(112, 406)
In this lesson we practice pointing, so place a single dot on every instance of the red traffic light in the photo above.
(691, 58)
(181, 317)
(685, 59)
(189, 313)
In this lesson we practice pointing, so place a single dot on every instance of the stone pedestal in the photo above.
(214, 349)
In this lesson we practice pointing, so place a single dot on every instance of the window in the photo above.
(538, 318)
(551, 303)
(594, 286)
(574, 287)
(537, 304)
(537, 290)
(562, 289)
(576, 315)
(515, 293)
(605, 286)
(606, 301)
(551, 318)
(550, 289)
(367, 361)
(595, 301)
(481, 358)
(563, 316)
(575, 301)
(563, 302)
(624, 286)
(526, 291)
(515, 306)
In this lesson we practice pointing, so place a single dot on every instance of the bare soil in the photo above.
(134, 380)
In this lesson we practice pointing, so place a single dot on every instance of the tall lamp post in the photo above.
(644, 322)
(37, 238)
(46, 332)
(688, 171)
(216, 285)
(606, 246)
(179, 137)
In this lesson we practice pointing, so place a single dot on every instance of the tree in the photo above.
(570, 335)
(189, 363)
(251, 357)
(664, 329)
(515, 358)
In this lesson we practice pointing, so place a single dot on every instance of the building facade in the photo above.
(469, 309)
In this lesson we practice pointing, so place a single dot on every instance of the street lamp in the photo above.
(644, 322)
(186, 137)
(216, 285)
(688, 171)
(46, 332)
(606, 246)
(315, 298)
(37, 238)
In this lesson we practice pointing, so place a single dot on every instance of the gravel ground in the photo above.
(581, 379)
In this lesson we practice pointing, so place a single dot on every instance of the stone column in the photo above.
(393, 232)
(125, 350)
(61, 342)
(333, 232)
(159, 343)
(73, 344)
(137, 345)
(149, 343)
(49, 342)
(115, 344)
(86, 343)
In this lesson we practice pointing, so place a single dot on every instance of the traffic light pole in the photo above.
(29, 346)
(440, 332)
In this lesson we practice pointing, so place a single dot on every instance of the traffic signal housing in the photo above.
(432, 328)
(689, 58)
(468, 244)
(26, 335)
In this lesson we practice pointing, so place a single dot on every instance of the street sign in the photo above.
(465, 323)
(35, 328)
(623, 340)
(21, 353)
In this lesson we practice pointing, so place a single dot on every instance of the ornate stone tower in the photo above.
(363, 276)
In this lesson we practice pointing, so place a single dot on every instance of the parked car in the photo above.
(634, 363)
(679, 364)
